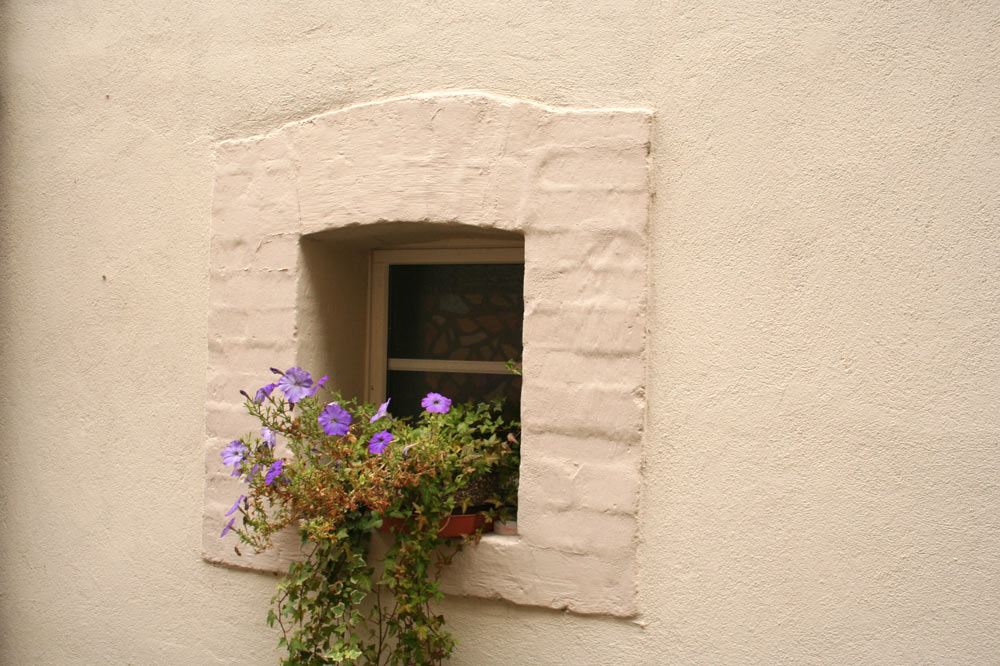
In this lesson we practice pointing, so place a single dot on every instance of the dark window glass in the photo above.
(454, 312)
(458, 312)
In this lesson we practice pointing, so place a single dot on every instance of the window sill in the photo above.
(511, 568)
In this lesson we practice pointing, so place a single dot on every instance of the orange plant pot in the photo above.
(450, 526)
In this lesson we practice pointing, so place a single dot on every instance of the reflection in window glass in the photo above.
(440, 314)
(459, 312)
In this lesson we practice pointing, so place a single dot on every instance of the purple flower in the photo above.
(435, 402)
(236, 506)
(264, 392)
(295, 384)
(233, 454)
(229, 526)
(379, 441)
(267, 435)
(383, 410)
(335, 420)
(316, 386)
(273, 472)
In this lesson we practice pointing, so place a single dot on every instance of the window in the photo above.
(445, 320)
(296, 217)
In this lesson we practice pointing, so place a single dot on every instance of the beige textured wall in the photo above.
(822, 440)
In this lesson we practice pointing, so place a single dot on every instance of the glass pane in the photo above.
(459, 312)
(407, 389)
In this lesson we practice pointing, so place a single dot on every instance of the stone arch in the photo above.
(573, 182)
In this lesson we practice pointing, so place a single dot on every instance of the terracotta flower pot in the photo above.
(450, 526)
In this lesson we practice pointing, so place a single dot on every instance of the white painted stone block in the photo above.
(620, 373)
(251, 289)
(227, 420)
(248, 354)
(598, 326)
(597, 168)
(606, 535)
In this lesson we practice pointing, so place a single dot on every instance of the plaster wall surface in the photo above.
(821, 445)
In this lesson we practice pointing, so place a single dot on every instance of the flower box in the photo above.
(455, 525)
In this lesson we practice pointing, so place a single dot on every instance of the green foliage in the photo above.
(336, 606)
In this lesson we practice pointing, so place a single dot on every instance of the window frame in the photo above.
(378, 363)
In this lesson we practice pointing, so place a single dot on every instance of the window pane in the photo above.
(407, 389)
(461, 312)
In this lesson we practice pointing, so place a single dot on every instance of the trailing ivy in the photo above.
(338, 469)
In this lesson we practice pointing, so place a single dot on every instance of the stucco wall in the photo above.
(822, 436)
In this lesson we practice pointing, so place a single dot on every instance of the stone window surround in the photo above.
(574, 183)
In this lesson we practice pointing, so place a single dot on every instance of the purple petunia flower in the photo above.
(264, 392)
(267, 435)
(273, 472)
(335, 420)
(295, 384)
(379, 441)
(435, 402)
(236, 505)
(383, 410)
(229, 526)
(233, 454)
(316, 386)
